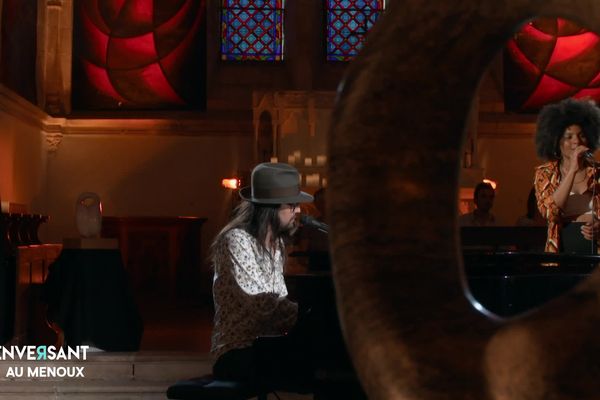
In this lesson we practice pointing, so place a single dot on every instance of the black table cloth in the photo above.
(89, 297)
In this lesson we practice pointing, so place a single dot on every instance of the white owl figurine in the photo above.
(88, 215)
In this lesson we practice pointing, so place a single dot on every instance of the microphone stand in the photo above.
(310, 221)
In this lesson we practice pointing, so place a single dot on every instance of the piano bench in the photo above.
(208, 388)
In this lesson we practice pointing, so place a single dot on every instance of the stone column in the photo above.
(54, 54)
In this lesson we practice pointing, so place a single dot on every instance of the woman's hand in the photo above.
(577, 156)
(590, 231)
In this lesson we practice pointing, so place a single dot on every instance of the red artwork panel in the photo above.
(550, 59)
(139, 54)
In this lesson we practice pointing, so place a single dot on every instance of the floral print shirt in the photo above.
(249, 293)
(547, 179)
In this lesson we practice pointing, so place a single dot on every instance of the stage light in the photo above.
(231, 183)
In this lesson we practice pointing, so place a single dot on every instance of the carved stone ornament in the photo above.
(395, 149)
(53, 140)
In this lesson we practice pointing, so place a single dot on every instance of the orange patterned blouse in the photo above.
(547, 179)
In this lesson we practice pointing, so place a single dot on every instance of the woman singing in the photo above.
(566, 186)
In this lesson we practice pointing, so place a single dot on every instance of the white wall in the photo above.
(145, 176)
(505, 147)
(22, 158)
(510, 162)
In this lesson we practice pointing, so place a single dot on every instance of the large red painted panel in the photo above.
(139, 54)
(550, 59)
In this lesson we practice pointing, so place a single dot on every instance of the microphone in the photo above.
(588, 157)
(310, 221)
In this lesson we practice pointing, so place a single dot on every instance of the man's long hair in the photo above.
(256, 219)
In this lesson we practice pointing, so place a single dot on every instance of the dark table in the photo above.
(89, 298)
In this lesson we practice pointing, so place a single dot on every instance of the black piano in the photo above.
(336, 378)
(507, 272)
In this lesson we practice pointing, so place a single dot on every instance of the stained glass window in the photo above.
(348, 22)
(252, 30)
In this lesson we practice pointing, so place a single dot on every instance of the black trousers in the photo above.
(285, 363)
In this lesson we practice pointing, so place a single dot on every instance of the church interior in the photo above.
(161, 109)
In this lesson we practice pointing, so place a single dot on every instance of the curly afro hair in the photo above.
(555, 118)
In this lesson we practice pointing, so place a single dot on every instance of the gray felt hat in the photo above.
(275, 183)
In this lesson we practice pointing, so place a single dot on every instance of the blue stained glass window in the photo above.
(348, 22)
(252, 30)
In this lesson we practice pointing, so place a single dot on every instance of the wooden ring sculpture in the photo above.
(395, 144)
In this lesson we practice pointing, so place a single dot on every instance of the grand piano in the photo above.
(507, 273)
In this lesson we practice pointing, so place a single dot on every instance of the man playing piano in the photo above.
(249, 291)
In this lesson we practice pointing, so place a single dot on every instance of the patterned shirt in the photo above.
(249, 293)
(547, 180)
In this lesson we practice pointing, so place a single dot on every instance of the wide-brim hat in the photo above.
(275, 183)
